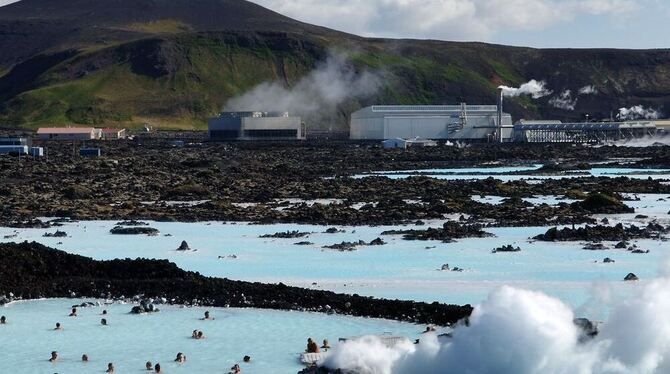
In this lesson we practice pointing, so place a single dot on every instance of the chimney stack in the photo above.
(499, 134)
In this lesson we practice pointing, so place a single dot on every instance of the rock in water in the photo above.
(183, 246)
(631, 277)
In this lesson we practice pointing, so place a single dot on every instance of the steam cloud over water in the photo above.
(516, 331)
(534, 88)
(315, 95)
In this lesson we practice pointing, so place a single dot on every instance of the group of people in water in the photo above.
(110, 366)
(312, 347)
(180, 358)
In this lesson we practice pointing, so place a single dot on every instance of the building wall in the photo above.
(74, 136)
(432, 123)
(256, 128)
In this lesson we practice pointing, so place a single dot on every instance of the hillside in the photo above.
(175, 62)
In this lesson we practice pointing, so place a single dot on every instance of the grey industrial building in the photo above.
(256, 126)
(454, 122)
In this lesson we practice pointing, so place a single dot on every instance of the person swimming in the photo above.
(3, 320)
(74, 312)
(200, 335)
(58, 326)
(110, 368)
(207, 316)
(104, 312)
(84, 357)
(312, 347)
(54, 356)
(157, 368)
(246, 359)
(326, 345)
(194, 335)
(235, 369)
(149, 365)
(180, 357)
(103, 322)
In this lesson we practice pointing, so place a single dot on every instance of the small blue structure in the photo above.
(14, 149)
(90, 152)
(15, 141)
(37, 151)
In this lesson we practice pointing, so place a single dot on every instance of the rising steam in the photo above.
(315, 95)
(637, 112)
(517, 332)
(536, 89)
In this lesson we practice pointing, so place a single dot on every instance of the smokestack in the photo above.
(499, 134)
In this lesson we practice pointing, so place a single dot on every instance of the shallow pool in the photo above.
(273, 339)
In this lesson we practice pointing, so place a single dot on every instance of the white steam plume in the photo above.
(564, 101)
(316, 94)
(534, 88)
(588, 90)
(637, 112)
(524, 332)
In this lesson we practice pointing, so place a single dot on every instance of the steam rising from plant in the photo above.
(536, 89)
(516, 331)
(316, 95)
(564, 101)
(637, 112)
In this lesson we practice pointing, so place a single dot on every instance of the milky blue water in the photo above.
(399, 269)
(272, 338)
(487, 172)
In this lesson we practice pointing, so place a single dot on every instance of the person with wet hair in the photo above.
(312, 347)
(149, 366)
(157, 368)
(181, 358)
(207, 316)
(110, 368)
(84, 357)
(326, 345)
(246, 359)
(54, 356)
(58, 326)
(200, 335)
(3, 320)
(74, 312)
(103, 322)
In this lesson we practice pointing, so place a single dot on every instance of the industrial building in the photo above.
(256, 126)
(454, 122)
(111, 133)
(68, 133)
(16, 141)
(584, 132)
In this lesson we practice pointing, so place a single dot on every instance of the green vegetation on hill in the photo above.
(175, 63)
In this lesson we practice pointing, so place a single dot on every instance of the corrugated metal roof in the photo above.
(64, 130)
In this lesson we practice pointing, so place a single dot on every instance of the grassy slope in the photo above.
(210, 72)
(181, 79)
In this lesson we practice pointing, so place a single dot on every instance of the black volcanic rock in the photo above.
(599, 203)
(602, 233)
(134, 230)
(31, 270)
(450, 231)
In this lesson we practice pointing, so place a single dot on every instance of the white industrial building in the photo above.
(457, 122)
(256, 126)
(68, 133)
